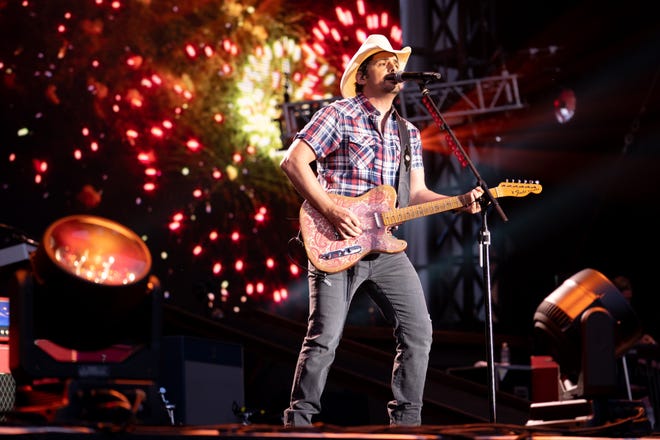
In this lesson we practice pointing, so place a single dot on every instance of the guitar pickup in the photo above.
(355, 249)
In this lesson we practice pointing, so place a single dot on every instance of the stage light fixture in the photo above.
(585, 325)
(85, 311)
(93, 274)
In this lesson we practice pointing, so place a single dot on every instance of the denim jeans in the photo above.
(401, 300)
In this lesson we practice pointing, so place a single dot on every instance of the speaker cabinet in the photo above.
(203, 379)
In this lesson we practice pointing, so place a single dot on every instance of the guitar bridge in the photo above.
(349, 250)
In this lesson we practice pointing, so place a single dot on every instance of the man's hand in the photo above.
(470, 201)
(346, 223)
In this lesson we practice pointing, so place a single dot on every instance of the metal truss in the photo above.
(468, 97)
(455, 99)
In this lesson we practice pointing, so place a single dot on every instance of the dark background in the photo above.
(599, 170)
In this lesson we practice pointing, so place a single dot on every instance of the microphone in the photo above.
(413, 76)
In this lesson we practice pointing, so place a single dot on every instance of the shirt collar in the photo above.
(368, 106)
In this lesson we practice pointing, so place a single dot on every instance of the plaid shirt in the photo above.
(352, 156)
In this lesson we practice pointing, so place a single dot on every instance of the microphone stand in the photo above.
(484, 238)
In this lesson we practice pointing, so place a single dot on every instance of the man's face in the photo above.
(380, 65)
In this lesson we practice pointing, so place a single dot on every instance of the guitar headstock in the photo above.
(519, 188)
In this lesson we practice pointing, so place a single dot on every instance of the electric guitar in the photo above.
(377, 213)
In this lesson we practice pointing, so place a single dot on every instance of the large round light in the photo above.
(96, 250)
(92, 278)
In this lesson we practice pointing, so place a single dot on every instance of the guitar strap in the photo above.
(403, 186)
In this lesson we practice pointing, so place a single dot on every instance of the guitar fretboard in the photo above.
(400, 215)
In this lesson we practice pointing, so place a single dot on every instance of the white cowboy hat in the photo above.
(373, 44)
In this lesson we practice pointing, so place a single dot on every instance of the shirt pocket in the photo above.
(361, 151)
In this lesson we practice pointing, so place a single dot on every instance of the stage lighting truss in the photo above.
(458, 99)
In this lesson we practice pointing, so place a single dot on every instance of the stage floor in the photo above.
(565, 430)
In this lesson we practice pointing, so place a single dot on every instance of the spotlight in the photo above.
(94, 273)
(85, 313)
(585, 324)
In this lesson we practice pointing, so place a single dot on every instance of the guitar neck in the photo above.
(401, 215)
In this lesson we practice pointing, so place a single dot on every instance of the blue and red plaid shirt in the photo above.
(352, 156)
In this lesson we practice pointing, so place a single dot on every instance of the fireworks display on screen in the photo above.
(166, 117)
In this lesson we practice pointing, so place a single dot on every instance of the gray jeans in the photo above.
(401, 301)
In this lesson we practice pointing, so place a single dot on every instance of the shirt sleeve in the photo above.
(322, 132)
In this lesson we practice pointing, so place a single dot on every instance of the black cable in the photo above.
(298, 241)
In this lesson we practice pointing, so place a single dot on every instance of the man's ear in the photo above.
(360, 77)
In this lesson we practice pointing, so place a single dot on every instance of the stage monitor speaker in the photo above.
(203, 379)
